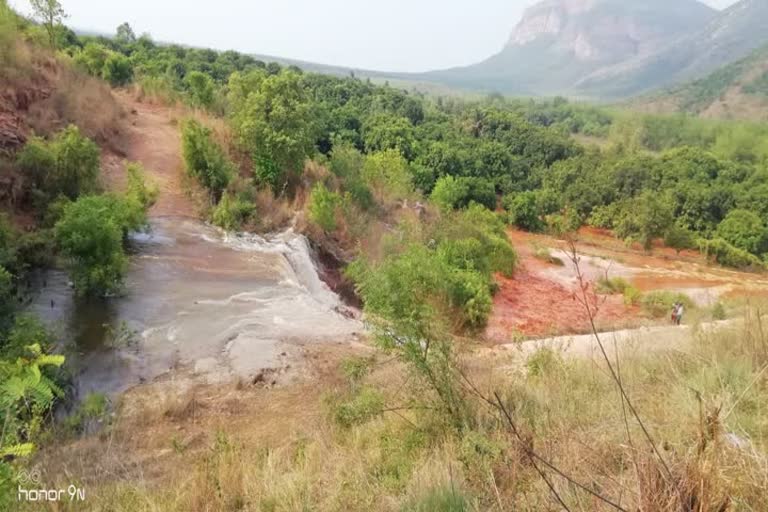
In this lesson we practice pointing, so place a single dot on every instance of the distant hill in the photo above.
(728, 37)
(560, 42)
(736, 91)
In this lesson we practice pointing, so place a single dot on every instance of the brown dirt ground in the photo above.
(152, 138)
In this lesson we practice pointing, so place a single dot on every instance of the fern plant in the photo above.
(26, 395)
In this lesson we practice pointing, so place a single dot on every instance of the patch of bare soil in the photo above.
(162, 427)
(540, 299)
(152, 138)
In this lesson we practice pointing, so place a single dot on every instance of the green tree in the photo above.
(745, 230)
(679, 238)
(91, 234)
(276, 126)
(647, 217)
(50, 14)
(125, 34)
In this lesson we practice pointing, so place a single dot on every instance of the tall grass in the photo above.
(704, 402)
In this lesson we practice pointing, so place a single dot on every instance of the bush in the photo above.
(440, 499)
(205, 160)
(67, 165)
(720, 251)
(323, 205)
(91, 233)
(449, 193)
(388, 176)
(659, 303)
(117, 70)
(232, 212)
(611, 285)
(679, 238)
(744, 230)
(523, 209)
(200, 88)
(364, 406)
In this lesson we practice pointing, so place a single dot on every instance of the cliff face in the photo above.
(607, 30)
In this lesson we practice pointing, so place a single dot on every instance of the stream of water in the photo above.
(223, 306)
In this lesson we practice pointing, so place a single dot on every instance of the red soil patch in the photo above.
(532, 305)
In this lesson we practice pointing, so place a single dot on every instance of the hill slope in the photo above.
(730, 36)
(736, 91)
(559, 42)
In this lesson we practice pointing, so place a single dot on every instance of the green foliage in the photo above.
(201, 89)
(89, 414)
(67, 165)
(232, 212)
(323, 205)
(440, 499)
(744, 230)
(117, 70)
(125, 34)
(138, 190)
(26, 398)
(611, 285)
(7, 302)
(205, 160)
(449, 192)
(364, 406)
(645, 218)
(718, 311)
(720, 251)
(275, 125)
(680, 238)
(388, 132)
(91, 233)
(659, 303)
(388, 175)
(92, 58)
(50, 14)
(524, 211)
(545, 361)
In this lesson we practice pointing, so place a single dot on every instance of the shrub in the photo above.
(90, 233)
(744, 230)
(679, 238)
(659, 303)
(232, 212)
(523, 209)
(387, 174)
(200, 88)
(611, 285)
(718, 311)
(449, 192)
(323, 205)
(632, 296)
(364, 406)
(67, 165)
(440, 499)
(117, 70)
(205, 160)
(720, 251)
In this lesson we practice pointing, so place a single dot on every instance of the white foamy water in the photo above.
(224, 305)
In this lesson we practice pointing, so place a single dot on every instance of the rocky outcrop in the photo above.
(607, 30)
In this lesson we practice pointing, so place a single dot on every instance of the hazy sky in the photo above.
(391, 35)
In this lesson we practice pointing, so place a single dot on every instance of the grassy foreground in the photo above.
(366, 441)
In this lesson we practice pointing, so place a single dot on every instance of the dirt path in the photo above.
(152, 138)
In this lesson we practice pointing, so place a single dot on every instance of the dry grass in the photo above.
(704, 403)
